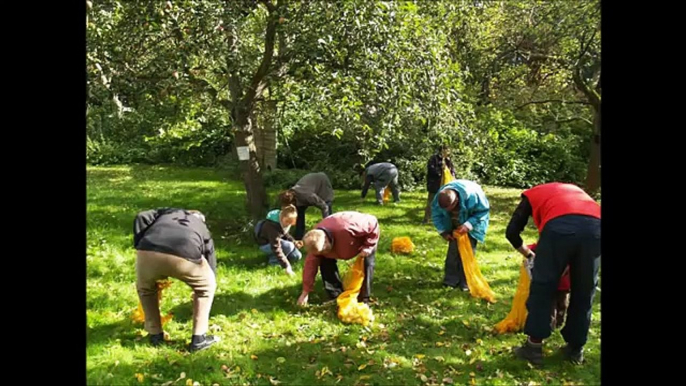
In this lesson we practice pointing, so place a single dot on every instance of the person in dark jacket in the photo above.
(382, 175)
(172, 242)
(313, 189)
(568, 222)
(274, 240)
(434, 176)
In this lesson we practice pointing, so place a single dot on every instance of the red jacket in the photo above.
(351, 233)
(556, 199)
(564, 284)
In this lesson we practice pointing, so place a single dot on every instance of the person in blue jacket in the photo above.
(461, 206)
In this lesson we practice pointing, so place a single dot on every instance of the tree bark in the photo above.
(250, 169)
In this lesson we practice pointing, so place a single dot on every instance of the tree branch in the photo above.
(591, 94)
(553, 101)
(256, 83)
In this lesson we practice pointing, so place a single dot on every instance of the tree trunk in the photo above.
(268, 135)
(250, 169)
(593, 174)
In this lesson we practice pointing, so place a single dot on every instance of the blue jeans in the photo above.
(288, 247)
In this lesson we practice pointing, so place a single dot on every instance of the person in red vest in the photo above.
(568, 222)
(342, 235)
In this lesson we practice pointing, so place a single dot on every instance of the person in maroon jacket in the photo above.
(342, 235)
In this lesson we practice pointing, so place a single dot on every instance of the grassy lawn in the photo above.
(423, 334)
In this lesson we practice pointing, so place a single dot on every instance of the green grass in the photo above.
(254, 311)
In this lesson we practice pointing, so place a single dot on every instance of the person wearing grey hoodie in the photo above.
(313, 189)
(382, 175)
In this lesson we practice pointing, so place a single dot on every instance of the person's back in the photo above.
(380, 168)
(555, 199)
(317, 183)
(176, 232)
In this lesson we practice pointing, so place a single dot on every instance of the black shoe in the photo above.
(201, 342)
(574, 356)
(530, 352)
(156, 339)
(464, 287)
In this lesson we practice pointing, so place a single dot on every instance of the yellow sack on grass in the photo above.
(447, 176)
(514, 321)
(138, 315)
(478, 286)
(402, 245)
(386, 194)
(349, 310)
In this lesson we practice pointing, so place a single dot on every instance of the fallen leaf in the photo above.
(420, 356)
(440, 359)
(281, 359)
(466, 323)
(139, 377)
(439, 344)
(273, 381)
(224, 367)
(447, 380)
(441, 332)
(468, 352)
(472, 381)
(254, 311)
(253, 357)
(423, 378)
(196, 383)
(167, 383)
(472, 375)
(189, 382)
(362, 367)
(363, 377)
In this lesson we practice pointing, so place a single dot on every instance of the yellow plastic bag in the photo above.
(514, 321)
(386, 194)
(402, 245)
(447, 176)
(478, 286)
(349, 310)
(138, 315)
